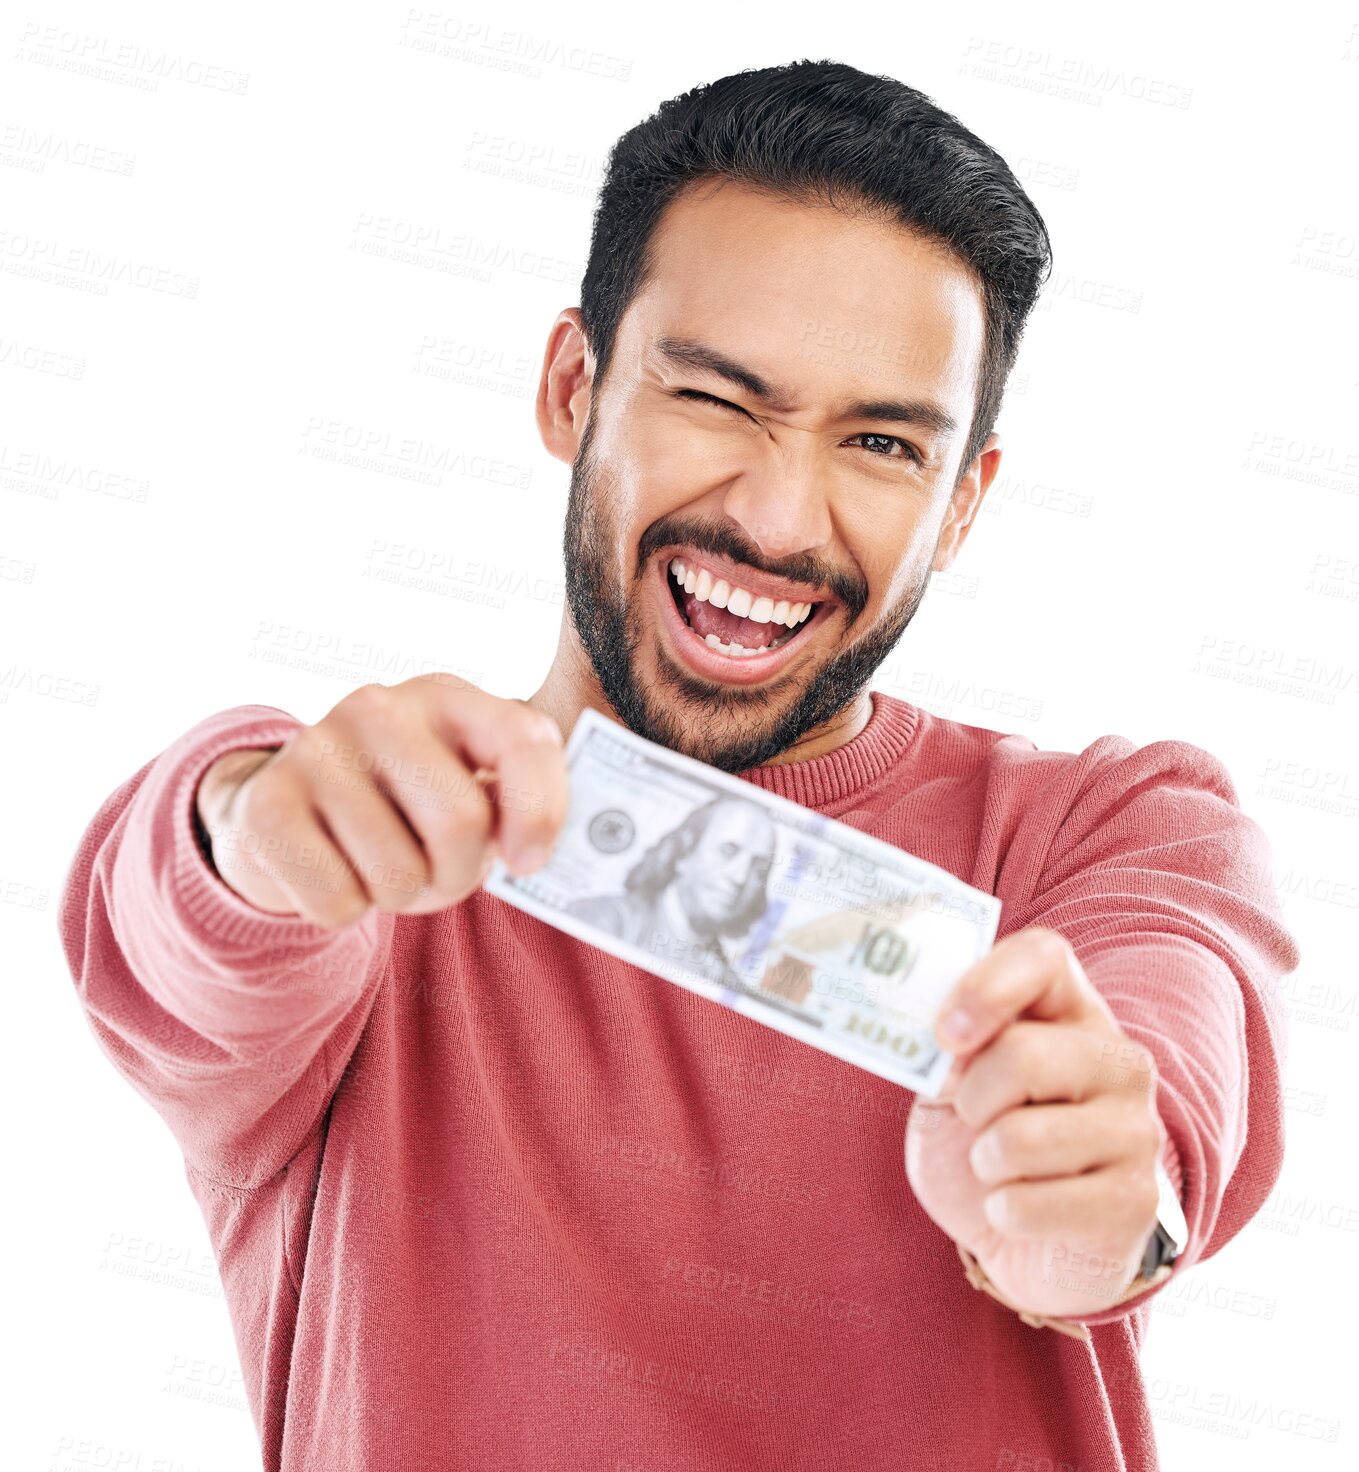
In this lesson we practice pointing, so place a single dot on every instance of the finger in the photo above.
(388, 858)
(1114, 1203)
(381, 735)
(1040, 1141)
(529, 795)
(949, 1088)
(481, 727)
(522, 747)
(446, 810)
(311, 873)
(1033, 972)
(1030, 1062)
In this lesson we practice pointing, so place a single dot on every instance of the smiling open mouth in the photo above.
(729, 618)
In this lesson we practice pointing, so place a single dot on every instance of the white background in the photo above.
(1172, 549)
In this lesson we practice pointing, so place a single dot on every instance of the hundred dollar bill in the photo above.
(755, 902)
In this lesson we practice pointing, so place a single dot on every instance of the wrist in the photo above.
(224, 777)
(215, 791)
(976, 1275)
(1164, 1244)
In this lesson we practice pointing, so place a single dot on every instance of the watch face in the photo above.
(1160, 1250)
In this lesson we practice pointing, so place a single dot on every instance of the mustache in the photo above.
(723, 539)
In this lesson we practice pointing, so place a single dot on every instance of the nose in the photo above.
(737, 870)
(781, 499)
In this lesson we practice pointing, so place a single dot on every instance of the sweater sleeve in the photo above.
(1165, 890)
(234, 1024)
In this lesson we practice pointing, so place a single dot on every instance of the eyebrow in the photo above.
(688, 352)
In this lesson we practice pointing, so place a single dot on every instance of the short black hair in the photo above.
(806, 129)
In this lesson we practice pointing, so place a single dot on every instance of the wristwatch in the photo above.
(1170, 1234)
(1166, 1243)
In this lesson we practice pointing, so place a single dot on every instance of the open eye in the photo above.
(891, 439)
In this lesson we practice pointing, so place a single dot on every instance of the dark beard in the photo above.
(611, 640)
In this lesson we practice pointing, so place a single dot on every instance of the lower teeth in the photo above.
(739, 650)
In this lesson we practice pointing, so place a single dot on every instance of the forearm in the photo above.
(224, 1017)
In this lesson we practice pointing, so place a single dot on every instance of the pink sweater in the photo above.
(483, 1197)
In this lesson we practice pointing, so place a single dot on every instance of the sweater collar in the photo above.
(824, 781)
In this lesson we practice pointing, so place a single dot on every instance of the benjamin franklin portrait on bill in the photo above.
(700, 883)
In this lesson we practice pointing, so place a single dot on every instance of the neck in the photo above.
(571, 686)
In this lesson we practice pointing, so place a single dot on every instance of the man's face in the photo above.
(743, 450)
(727, 867)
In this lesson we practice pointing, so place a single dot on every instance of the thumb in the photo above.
(947, 1090)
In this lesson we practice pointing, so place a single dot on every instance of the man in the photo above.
(704, 880)
(483, 1196)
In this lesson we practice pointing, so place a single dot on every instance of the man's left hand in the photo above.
(1040, 1154)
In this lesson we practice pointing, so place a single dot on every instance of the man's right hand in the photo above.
(377, 804)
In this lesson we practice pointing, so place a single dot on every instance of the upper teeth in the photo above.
(721, 594)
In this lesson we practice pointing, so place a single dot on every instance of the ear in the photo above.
(965, 502)
(564, 386)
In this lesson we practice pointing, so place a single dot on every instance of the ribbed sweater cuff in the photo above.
(207, 899)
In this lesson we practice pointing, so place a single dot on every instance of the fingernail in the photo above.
(981, 1157)
(957, 1025)
(531, 859)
